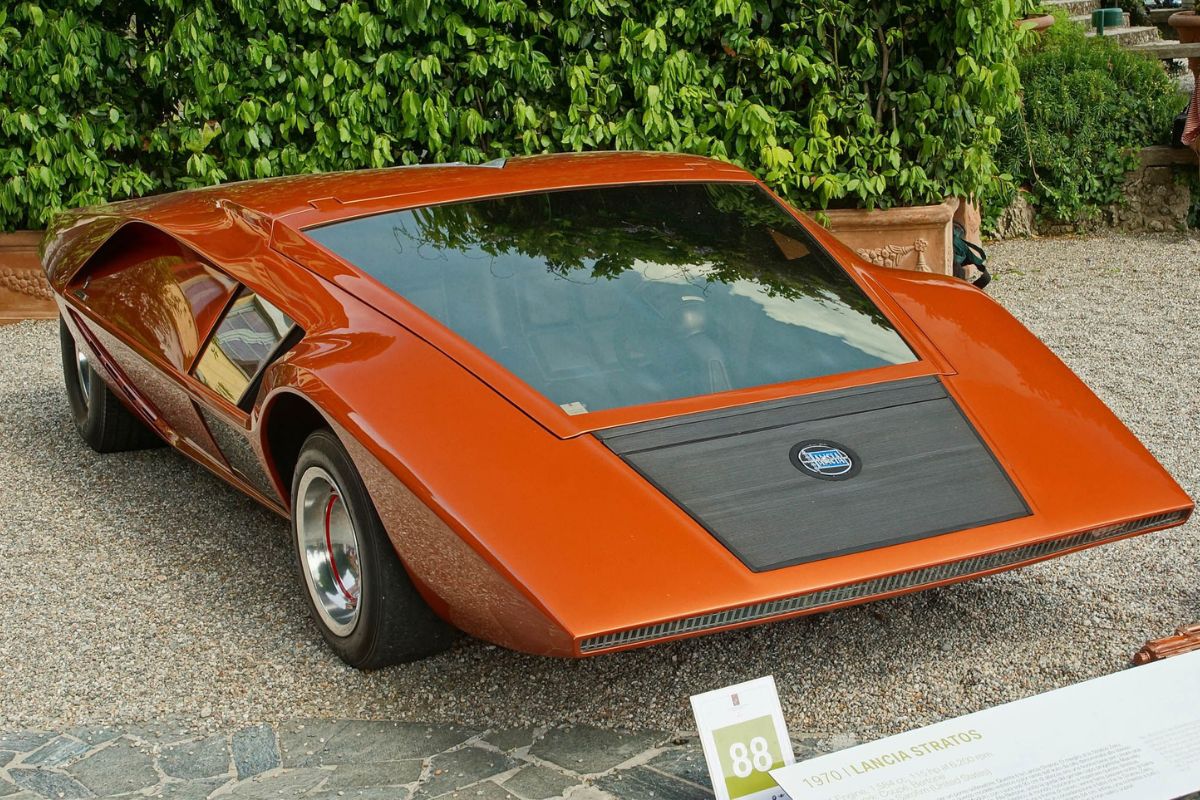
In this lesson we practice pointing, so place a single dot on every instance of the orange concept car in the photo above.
(580, 403)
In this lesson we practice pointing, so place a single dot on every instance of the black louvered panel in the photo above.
(920, 470)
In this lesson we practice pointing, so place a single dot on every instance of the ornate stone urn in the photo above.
(1036, 22)
(24, 292)
(912, 237)
(1187, 25)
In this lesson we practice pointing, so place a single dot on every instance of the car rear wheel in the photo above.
(357, 590)
(100, 417)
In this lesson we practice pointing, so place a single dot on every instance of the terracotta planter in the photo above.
(970, 218)
(1037, 23)
(916, 237)
(1187, 25)
(24, 293)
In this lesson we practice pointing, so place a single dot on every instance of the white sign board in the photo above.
(744, 738)
(1134, 735)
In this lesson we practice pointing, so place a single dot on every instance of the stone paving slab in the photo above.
(334, 760)
(360, 759)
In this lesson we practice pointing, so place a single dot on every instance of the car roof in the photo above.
(300, 194)
(262, 209)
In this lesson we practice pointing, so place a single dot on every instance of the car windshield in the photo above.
(618, 296)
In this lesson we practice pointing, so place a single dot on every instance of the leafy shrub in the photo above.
(1088, 106)
(837, 102)
(70, 115)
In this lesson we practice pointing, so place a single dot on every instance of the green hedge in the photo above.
(1088, 107)
(834, 102)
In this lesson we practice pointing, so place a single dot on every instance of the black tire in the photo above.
(393, 623)
(100, 417)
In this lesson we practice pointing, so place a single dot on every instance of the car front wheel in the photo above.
(100, 417)
(357, 589)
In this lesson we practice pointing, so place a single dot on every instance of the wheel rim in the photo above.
(329, 553)
(83, 369)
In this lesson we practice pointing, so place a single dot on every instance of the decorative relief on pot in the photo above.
(26, 282)
(890, 255)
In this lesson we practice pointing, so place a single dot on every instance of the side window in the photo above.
(156, 291)
(243, 343)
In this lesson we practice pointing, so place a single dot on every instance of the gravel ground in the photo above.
(140, 588)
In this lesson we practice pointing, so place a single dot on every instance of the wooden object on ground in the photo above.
(1185, 640)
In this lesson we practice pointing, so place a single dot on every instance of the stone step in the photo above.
(1129, 37)
(1086, 21)
(1077, 8)
(1167, 50)
(1072, 7)
(1163, 156)
(1159, 16)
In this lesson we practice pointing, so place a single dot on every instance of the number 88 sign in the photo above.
(747, 751)
(744, 737)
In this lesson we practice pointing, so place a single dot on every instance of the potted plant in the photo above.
(1187, 25)
(24, 293)
(1035, 22)
(1031, 16)
(919, 238)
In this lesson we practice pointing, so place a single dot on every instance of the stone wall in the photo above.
(1157, 197)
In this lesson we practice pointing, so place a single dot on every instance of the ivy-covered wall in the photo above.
(834, 102)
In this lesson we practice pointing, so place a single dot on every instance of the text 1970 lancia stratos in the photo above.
(575, 404)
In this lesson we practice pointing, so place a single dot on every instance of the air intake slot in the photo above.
(860, 591)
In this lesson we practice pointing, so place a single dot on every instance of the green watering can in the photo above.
(1107, 18)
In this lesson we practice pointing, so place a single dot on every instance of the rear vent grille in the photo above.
(879, 586)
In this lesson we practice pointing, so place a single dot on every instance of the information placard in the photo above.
(1134, 735)
(744, 738)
